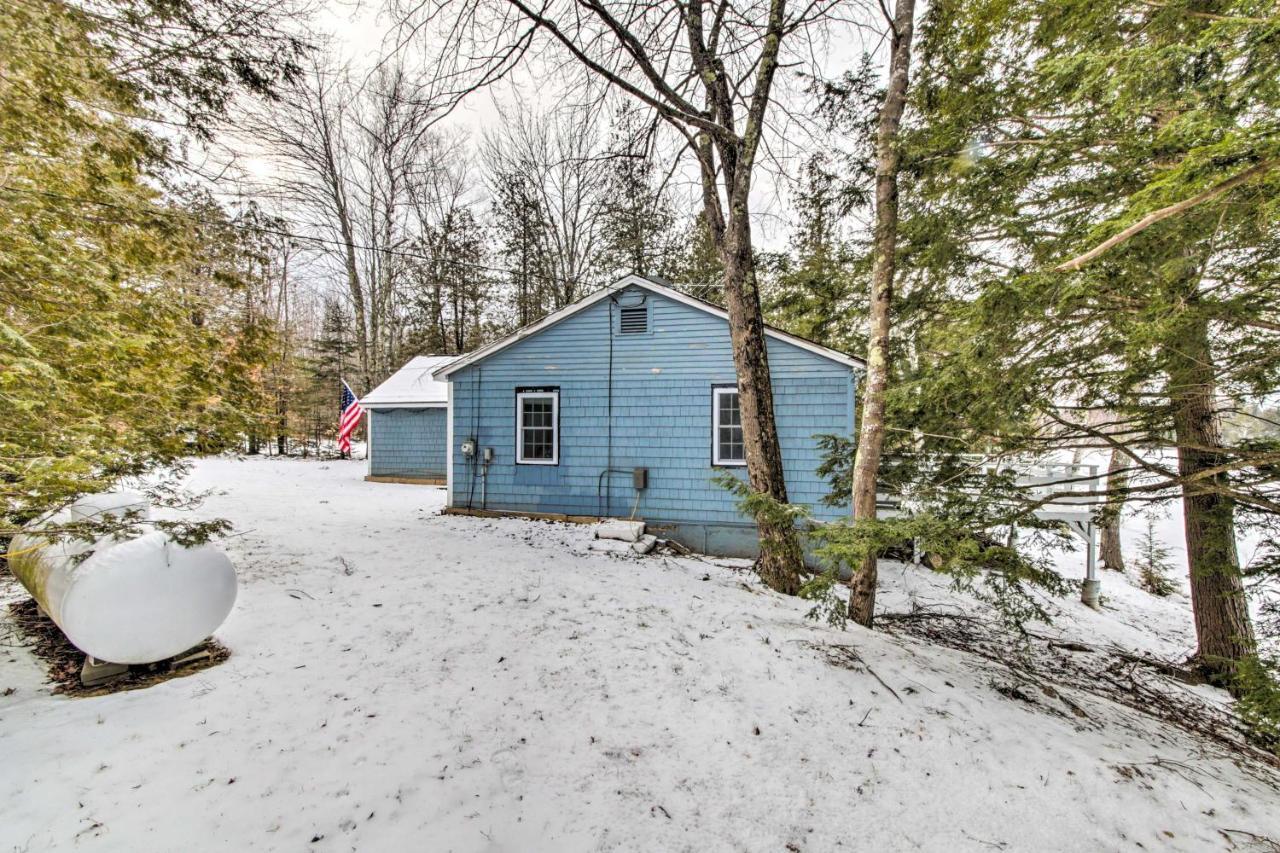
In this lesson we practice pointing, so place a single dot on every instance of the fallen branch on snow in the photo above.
(1143, 685)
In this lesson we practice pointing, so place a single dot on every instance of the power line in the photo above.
(139, 219)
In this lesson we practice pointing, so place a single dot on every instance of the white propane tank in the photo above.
(130, 601)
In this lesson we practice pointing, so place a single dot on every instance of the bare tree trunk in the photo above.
(437, 306)
(359, 312)
(347, 152)
(1223, 627)
(284, 381)
(1109, 552)
(666, 57)
(866, 465)
(459, 318)
(333, 179)
(781, 558)
(523, 311)
(331, 175)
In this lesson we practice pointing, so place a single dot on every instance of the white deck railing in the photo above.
(1071, 492)
(1073, 489)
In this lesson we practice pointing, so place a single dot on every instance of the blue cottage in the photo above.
(625, 403)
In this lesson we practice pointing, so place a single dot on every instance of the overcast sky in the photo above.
(360, 33)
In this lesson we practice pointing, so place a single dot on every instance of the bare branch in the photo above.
(1165, 212)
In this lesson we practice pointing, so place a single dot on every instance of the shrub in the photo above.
(1153, 563)
(1258, 699)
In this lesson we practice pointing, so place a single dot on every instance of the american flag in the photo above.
(352, 411)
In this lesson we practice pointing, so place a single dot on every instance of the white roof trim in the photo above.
(650, 285)
(375, 406)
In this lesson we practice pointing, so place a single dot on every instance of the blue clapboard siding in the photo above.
(661, 420)
(408, 442)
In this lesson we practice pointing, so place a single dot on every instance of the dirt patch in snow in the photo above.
(62, 660)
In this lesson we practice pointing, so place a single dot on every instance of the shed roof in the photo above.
(411, 385)
(655, 286)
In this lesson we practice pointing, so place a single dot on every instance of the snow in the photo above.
(401, 679)
(412, 385)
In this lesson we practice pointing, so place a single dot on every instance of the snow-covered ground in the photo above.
(402, 680)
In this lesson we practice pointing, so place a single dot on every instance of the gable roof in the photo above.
(652, 286)
(411, 385)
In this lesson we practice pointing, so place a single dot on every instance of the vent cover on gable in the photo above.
(633, 320)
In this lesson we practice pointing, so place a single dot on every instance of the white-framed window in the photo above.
(538, 427)
(726, 433)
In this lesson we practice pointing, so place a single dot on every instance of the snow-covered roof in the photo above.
(412, 385)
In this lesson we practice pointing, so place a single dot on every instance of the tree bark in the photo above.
(781, 561)
(332, 176)
(781, 558)
(725, 140)
(1109, 552)
(866, 465)
(1223, 627)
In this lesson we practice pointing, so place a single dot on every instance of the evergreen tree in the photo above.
(817, 295)
(1153, 563)
(450, 296)
(1100, 182)
(331, 358)
(639, 222)
(188, 59)
(699, 269)
(333, 351)
(231, 275)
(463, 259)
(112, 359)
(521, 226)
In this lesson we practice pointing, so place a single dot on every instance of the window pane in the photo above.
(537, 444)
(537, 412)
(729, 441)
(731, 449)
(730, 415)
